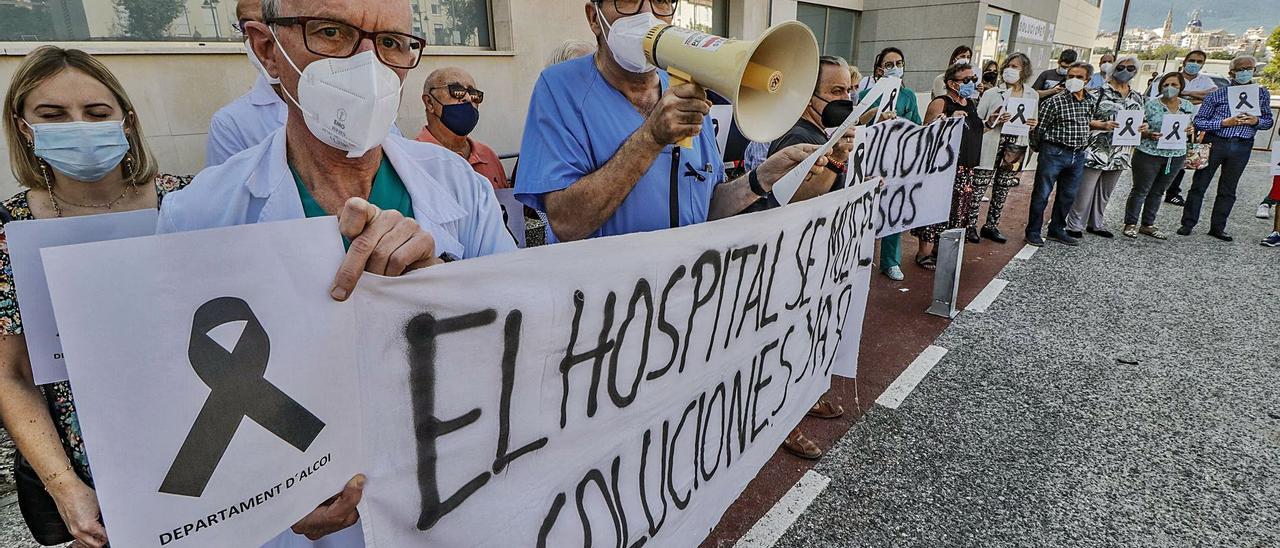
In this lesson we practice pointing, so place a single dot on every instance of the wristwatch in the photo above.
(753, 180)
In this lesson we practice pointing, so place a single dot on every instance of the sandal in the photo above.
(800, 446)
(927, 262)
(826, 410)
(1154, 232)
(1130, 231)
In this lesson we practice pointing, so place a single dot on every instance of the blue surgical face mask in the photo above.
(1244, 76)
(1171, 91)
(969, 90)
(1192, 68)
(84, 151)
(461, 118)
(895, 72)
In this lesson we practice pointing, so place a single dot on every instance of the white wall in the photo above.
(177, 88)
(1077, 23)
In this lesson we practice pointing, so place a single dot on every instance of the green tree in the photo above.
(147, 19)
(1222, 56)
(1271, 73)
(25, 23)
(470, 20)
(1168, 51)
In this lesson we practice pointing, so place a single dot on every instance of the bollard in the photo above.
(946, 279)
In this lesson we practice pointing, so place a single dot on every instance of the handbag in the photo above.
(1197, 154)
(38, 508)
(1011, 156)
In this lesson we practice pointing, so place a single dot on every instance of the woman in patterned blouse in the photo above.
(1105, 163)
(76, 144)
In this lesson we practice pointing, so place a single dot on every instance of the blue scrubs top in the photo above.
(577, 122)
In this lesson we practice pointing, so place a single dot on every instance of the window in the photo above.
(835, 29)
(711, 16)
(997, 35)
(463, 23)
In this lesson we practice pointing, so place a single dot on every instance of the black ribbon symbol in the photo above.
(1244, 101)
(238, 390)
(1128, 127)
(1021, 115)
(1176, 134)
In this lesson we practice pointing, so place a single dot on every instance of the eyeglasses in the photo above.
(632, 7)
(460, 92)
(1126, 68)
(329, 38)
(889, 65)
(968, 80)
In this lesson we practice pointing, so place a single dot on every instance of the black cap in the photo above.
(1068, 56)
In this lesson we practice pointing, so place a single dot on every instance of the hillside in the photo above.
(1233, 15)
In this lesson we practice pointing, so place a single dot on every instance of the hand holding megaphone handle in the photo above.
(680, 78)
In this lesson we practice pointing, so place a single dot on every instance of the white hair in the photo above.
(570, 49)
(1127, 58)
(1241, 58)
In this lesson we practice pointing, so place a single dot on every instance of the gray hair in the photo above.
(1241, 59)
(270, 9)
(1081, 64)
(570, 49)
(830, 61)
(1122, 60)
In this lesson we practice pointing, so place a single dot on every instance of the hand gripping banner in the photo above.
(238, 390)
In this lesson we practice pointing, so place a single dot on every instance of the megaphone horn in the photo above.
(769, 81)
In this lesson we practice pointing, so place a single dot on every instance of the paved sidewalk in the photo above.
(1123, 393)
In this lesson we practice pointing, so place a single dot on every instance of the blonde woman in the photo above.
(76, 145)
(1003, 156)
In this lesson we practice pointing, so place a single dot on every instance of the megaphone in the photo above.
(769, 81)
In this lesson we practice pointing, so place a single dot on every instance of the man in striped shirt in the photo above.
(1232, 140)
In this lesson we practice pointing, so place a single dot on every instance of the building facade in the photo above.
(180, 73)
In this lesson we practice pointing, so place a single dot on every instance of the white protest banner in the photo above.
(918, 166)
(1021, 111)
(1173, 133)
(1275, 161)
(624, 390)
(513, 215)
(891, 89)
(721, 121)
(785, 189)
(215, 380)
(25, 239)
(1245, 100)
(1128, 133)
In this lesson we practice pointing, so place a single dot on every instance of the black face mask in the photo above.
(836, 112)
(989, 77)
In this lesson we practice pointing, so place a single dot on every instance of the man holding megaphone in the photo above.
(602, 153)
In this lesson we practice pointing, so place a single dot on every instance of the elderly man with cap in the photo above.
(453, 110)
(403, 205)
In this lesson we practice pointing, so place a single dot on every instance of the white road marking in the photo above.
(766, 532)
(988, 296)
(1027, 252)
(907, 381)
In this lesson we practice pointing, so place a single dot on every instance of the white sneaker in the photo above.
(895, 274)
(1264, 211)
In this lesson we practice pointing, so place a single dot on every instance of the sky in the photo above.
(1233, 15)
